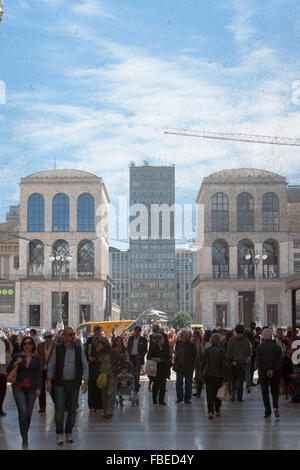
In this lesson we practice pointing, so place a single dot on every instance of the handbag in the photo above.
(101, 381)
(223, 392)
(151, 368)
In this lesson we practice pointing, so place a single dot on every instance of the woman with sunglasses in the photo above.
(27, 386)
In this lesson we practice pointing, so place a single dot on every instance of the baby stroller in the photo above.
(126, 385)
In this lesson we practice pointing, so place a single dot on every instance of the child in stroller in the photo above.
(126, 385)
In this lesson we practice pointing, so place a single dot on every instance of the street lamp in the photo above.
(256, 256)
(61, 258)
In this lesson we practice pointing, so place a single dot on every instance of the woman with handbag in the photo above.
(158, 354)
(108, 363)
(25, 373)
(214, 372)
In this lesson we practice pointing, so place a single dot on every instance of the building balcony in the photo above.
(76, 276)
(211, 277)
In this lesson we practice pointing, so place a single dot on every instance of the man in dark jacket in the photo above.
(137, 349)
(185, 355)
(67, 367)
(238, 351)
(269, 360)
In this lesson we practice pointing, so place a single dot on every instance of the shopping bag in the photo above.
(223, 392)
(151, 368)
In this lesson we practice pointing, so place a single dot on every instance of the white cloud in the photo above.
(92, 8)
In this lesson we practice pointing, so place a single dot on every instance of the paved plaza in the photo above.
(173, 427)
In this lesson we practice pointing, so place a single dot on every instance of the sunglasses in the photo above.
(70, 334)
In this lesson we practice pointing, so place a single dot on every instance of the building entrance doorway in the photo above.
(246, 307)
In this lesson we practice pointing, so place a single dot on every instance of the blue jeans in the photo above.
(24, 398)
(66, 395)
(188, 382)
(137, 364)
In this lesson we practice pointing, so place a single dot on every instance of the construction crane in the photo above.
(252, 138)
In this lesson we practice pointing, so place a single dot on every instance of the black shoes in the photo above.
(178, 401)
(2, 413)
(162, 403)
(187, 402)
(196, 395)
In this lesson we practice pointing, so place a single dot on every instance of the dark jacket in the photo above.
(142, 346)
(214, 363)
(166, 343)
(286, 370)
(90, 351)
(268, 357)
(163, 368)
(238, 349)
(33, 372)
(60, 361)
(189, 356)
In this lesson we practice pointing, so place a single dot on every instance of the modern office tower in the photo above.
(186, 270)
(119, 272)
(152, 239)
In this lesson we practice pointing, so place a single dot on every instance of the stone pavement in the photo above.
(173, 427)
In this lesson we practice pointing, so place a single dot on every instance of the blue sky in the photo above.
(95, 83)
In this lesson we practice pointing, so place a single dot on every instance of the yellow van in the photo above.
(107, 326)
(198, 327)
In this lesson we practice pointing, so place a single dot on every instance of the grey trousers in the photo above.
(109, 394)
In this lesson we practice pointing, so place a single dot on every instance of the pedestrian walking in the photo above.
(34, 336)
(214, 372)
(184, 359)
(119, 347)
(67, 367)
(158, 353)
(108, 362)
(45, 351)
(269, 361)
(94, 394)
(5, 358)
(15, 342)
(27, 386)
(197, 340)
(238, 351)
(137, 349)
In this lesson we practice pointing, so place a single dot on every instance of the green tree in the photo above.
(182, 320)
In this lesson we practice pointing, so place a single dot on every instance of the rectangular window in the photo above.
(296, 244)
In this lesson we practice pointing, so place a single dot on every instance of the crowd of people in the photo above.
(221, 361)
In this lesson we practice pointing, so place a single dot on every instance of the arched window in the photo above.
(220, 259)
(60, 247)
(85, 258)
(245, 213)
(271, 263)
(245, 267)
(270, 213)
(86, 213)
(220, 213)
(36, 258)
(36, 213)
(61, 213)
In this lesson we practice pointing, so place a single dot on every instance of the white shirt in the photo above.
(135, 351)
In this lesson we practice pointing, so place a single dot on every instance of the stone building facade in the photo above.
(60, 211)
(240, 210)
